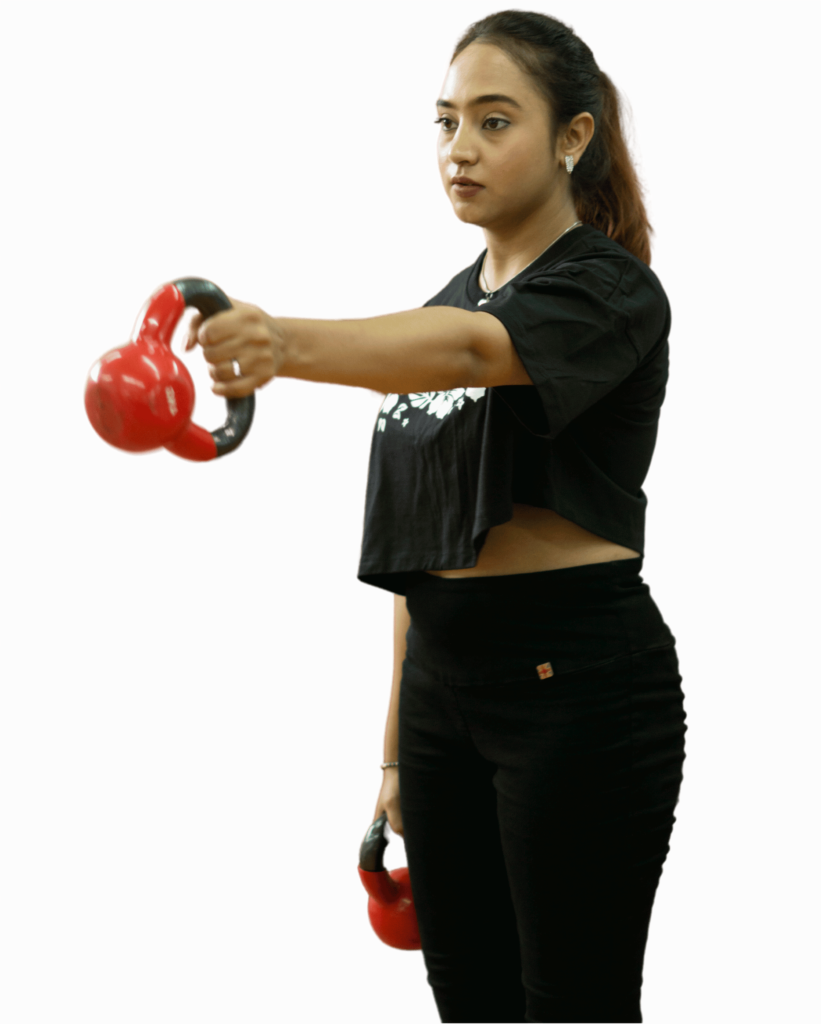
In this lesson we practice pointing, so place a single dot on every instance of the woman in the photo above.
(536, 722)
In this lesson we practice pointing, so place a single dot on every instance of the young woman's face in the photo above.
(503, 144)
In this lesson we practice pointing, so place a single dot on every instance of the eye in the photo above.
(498, 120)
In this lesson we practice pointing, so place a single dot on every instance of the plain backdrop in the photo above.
(194, 682)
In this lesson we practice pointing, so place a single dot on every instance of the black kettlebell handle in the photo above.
(210, 299)
(373, 847)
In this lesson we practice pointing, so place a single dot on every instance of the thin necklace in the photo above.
(488, 294)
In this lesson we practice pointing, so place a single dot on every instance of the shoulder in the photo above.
(598, 269)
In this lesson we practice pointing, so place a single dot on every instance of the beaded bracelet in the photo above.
(390, 764)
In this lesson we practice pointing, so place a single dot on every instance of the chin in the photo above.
(465, 223)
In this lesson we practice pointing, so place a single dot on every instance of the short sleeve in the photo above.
(580, 328)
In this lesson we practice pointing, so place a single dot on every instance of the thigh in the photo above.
(458, 875)
(589, 775)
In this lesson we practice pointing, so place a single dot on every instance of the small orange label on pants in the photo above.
(545, 671)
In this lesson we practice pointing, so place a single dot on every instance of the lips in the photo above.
(465, 181)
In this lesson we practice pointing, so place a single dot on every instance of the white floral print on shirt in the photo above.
(439, 403)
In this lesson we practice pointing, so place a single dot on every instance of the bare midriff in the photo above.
(534, 540)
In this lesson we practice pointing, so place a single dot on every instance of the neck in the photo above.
(511, 248)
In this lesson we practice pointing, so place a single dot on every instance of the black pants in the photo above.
(541, 746)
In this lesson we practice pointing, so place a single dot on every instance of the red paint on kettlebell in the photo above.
(140, 396)
(390, 899)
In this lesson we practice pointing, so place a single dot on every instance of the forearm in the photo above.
(391, 748)
(401, 624)
(428, 349)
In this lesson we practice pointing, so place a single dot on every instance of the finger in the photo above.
(193, 327)
(239, 387)
(228, 370)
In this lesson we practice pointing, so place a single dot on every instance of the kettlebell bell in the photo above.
(140, 396)
(390, 900)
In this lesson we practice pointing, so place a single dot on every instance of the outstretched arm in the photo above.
(433, 348)
(427, 349)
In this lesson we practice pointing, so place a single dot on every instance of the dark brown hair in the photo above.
(604, 184)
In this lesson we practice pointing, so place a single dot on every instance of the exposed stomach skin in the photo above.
(534, 540)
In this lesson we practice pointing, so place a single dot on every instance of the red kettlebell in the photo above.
(140, 396)
(390, 903)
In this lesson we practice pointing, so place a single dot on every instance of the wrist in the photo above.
(279, 344)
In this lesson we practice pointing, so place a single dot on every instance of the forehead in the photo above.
(483, 68)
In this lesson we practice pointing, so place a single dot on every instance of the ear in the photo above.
(498, 360)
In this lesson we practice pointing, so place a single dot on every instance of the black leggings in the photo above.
(541, 746)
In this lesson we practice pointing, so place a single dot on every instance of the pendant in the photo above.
(481, 302)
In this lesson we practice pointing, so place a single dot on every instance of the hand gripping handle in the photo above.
(195, 442)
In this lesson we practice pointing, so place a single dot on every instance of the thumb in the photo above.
(189, 341)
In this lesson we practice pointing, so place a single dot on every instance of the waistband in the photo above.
(482, 628)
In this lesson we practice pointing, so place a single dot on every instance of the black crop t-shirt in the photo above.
(590, 322)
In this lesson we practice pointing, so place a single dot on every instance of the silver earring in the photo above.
(568, 162)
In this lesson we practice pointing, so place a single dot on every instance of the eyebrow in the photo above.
(493, 97)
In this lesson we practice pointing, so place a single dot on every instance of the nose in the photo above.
(461, 147)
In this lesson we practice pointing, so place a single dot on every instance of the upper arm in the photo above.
(496, 360)
(401, 617)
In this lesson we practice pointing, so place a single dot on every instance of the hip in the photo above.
(532, 625)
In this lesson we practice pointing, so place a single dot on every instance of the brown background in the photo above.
(195, 683)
